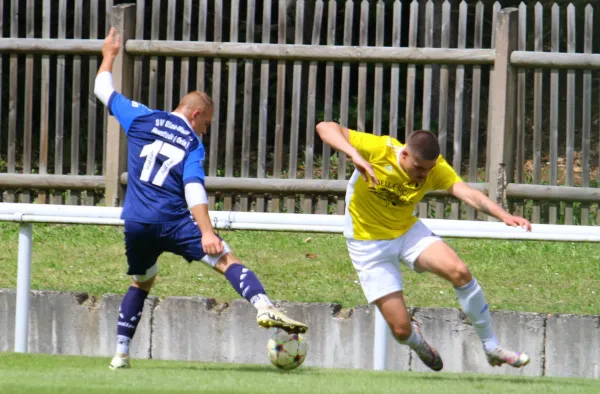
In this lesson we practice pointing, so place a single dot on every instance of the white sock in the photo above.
(261, 301)
(475, 306)
(413, 340)
(123, 344)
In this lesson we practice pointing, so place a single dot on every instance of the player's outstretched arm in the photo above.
(338, 138)
(103, 86)
(197, 201)
(482, 203)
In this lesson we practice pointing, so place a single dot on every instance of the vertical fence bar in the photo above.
(537, 110)
(13, 87)
(395, 72)
(60, 102)
(344, 98)
(362, 68)
(503, 119)
(232, 66)
(323, 205)
(23, 287)
(307, 206)
(554, 92)
(495, 10)
(169, 61)
(92, 108)
(290, 203)
(123, 19)
(521, 103)
(74, 196)
(153, 74)
(459, 91)
(475, 105)
(280, 106)
(377, 105)
(44, 100)
(588, 35)
(443, 97)
(427, 76)
(261, 165)
(569, 178)
(248, 86)
(200, 62)
(216, 97)
(184, 73)
(139, 60)
(411, 73)
(28, 107)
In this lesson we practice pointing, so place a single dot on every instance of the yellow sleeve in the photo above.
(366, 144)
(443, 175)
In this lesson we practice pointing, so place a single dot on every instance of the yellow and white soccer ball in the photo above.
(286, 350)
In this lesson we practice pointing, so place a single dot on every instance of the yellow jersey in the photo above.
(387, 210)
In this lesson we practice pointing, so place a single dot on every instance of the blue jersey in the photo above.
(163, 154)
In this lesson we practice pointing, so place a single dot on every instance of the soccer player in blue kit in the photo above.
(166, 181)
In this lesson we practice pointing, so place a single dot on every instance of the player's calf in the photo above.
(247, 284)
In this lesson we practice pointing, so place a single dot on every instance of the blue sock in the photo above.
(130, 313)
(247, 285)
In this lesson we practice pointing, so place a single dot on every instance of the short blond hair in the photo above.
(196, 99)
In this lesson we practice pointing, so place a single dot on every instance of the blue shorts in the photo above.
(144, 242)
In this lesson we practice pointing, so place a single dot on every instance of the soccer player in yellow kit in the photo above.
(381, 231)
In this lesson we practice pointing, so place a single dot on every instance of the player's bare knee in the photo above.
(461, 275)
(401, 330)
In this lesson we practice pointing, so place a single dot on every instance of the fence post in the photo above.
(123, 19)
(504, 96)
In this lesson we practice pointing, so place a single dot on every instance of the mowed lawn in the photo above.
(70, 374)
(552, 277)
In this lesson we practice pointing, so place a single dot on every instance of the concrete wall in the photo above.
(191, 328)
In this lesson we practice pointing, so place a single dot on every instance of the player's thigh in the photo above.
(376, 264)
(185, 240)
(142, 248)
(427, 252)
(394, 311)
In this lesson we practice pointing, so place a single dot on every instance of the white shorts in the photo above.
(377, 262)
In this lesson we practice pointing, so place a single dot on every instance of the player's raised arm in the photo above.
(103, 87)
(482, 203)
(338, 138)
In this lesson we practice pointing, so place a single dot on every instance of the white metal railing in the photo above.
(27, 214)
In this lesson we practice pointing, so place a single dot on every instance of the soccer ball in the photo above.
(286, 350)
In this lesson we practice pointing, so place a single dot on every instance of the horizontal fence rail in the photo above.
(293, 186)
(310, 52)
(572, 61)
(51, 46)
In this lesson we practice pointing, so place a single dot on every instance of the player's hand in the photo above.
(211, 244)
(112, 44)
(517, 221)
(364, 167)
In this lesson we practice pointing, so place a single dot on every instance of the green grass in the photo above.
(70, 374)
(551, 277)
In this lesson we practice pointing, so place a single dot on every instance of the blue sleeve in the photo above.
(193, 169)
(125, 110)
